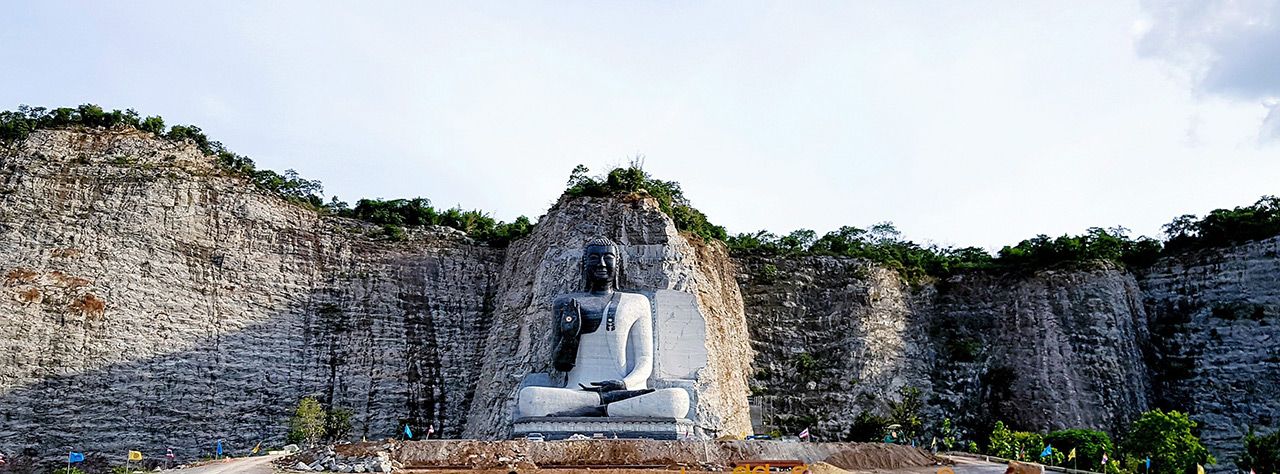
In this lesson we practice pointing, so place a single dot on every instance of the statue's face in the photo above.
(600, 264)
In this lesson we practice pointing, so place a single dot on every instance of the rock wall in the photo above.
(1215, 333)
(1047, 351)
(546, 264)
(833, 337)
(147, 300)
(1090, 347)
(838, 336)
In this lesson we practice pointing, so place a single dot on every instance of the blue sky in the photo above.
(965, 123)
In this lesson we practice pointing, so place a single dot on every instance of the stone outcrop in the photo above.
(1087, 347)
(148, 300)
(657, 257)
(1215, 333)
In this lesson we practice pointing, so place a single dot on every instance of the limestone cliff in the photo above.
(148, 300)
(839, 336)
(1215, 333)
(1088, 347)
(657, 257)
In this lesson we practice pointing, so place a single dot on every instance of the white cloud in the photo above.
(1225, 48)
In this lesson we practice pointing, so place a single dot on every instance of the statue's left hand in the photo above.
(605, 386)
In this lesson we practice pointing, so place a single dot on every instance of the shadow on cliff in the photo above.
(242, 386)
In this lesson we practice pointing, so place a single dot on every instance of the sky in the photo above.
(964, 123)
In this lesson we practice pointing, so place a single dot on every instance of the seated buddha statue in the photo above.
(604, 345)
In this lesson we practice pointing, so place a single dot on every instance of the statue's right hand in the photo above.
(605, 386)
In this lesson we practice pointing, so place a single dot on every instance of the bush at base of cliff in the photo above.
(1016, 445)
(1088, 444)
(1261, 453)
(308, 422)
(868, 427)
(1167, 439)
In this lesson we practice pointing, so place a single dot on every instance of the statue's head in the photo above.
(601, 263)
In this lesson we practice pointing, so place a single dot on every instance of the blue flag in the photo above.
(75, 457)
(219, 447)
(1148, 464)
(408, 433)
(1048, 449)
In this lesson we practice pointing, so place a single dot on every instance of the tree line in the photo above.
(884, 244)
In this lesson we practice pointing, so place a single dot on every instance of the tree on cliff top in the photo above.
(634, 179)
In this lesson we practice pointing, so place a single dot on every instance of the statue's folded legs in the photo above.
(605, 346)
(551, 401)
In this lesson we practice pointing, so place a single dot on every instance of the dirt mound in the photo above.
(880, 456)
(824, 468)
(693, 455)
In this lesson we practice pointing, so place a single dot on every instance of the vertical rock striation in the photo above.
(148, 300)
(1215, 333)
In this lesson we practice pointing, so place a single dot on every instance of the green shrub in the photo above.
(1017, 445)
(68, 470)
(308, 422)
(1089, 446)
(868, 427)
(1167, 438)
(632, 180)
(1261, 453)
(906, 412)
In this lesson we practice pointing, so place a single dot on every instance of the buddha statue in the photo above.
(604, 345)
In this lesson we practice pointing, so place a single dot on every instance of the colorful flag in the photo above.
(1072, 454)
(257, 448)
(804, 434)
(168, 453)
(1048, 449)
(1104, 459)
(1199, 469)
(219, 448)
(1148, 463)
(430, 429)
(75, 457)
(135, 455)
(408, 433)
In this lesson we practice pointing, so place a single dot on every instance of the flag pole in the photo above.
(68, 462)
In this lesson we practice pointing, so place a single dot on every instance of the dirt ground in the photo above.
(628, 456)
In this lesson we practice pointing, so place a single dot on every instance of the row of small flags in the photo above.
(408, 433)
(1048, 449)
(74, 457)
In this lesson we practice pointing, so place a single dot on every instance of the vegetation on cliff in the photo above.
(391, 214)
(634, 179)
(884, 244)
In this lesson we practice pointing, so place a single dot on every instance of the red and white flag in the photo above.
(430, 429)
(804, 434)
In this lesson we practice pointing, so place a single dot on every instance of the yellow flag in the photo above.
(1072, 454)
(257, 448)
(135, 456)
(1199, 469)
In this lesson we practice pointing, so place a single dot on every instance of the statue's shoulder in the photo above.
(634, 298)
(564, 299)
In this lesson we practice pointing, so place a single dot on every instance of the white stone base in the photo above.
(557, 428)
